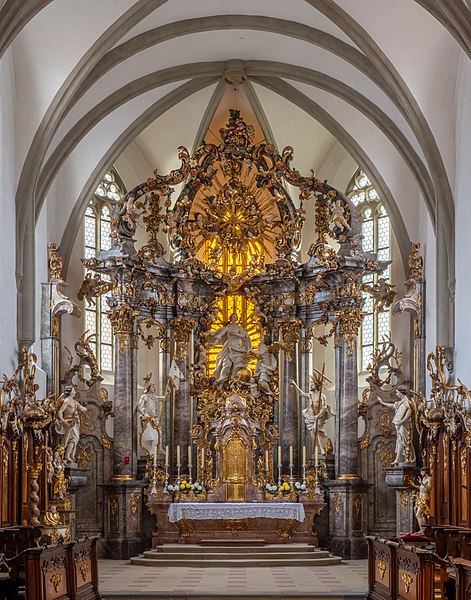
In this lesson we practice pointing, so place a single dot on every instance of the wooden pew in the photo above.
(66, 571)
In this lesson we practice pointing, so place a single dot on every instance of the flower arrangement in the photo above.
(184, 488)
(285, 488)
(300, 487)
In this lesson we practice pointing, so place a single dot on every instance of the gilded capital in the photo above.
(181, 332)
(289, 334)
(349, 321)
(122, 320)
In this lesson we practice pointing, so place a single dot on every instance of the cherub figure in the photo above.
(338, 219)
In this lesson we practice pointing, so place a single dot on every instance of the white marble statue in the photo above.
(338, 217)
(67, 423)
(266, 366)
(150, 407)
(316, 413)
(402, 420)
(233, 355)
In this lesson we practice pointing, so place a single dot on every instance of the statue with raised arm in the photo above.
(233, 355)
(150, 408)
(316, 413)
(67, 423)
(402, 420)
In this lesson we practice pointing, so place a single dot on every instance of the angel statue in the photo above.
(317, 411)
(266, 366)
(338, 217)
(150, 409)
(67, 423)
(403, 413)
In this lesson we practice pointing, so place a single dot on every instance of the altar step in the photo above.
(178, 555)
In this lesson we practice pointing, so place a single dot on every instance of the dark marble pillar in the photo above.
(125, 428)
(289, 413)
(347, 411)
(181, 335)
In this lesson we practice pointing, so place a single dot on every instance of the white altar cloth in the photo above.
(235, 510)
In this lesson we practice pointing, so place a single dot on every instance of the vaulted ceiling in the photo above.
(344, 82)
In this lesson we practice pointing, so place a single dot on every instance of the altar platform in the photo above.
(249, 523)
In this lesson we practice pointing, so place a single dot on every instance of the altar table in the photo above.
(235, 510)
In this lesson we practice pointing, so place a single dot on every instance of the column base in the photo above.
(348, 517)
(400, 479)
(123, 520)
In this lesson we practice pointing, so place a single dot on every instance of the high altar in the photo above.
(232, 317)
(216, 429)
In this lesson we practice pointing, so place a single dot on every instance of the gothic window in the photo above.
(376, 231)
(97, 228)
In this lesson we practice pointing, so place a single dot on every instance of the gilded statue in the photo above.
(403, 415)
(233, 355)
(422, 498)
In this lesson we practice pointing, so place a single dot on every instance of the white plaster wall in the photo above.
(8, 345)
(463, 222)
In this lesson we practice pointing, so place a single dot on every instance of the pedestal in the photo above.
(400, 478)
(348, 518)
(123, 520)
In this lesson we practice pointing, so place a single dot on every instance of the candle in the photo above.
(316, 456)
(202, 459)
(291, 455)
(266, 460)
(155, 455)
(166, 456)
(178, 455)
(279, 455)
(189, 455)
(304, 456)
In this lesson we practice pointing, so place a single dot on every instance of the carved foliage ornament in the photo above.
(122, 320)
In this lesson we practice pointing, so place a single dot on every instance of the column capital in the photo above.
(122, 320)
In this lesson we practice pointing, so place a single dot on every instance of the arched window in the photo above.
(376, 231)
(97, 228)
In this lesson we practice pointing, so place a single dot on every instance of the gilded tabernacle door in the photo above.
(235, 468)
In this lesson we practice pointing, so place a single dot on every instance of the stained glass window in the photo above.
(376, 231)
(97, 228)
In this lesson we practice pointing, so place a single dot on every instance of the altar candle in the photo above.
(155, 455)
(304, 456)
(189, 455)
(291, 455)
(202, 459)
(166, 456)
(279, 455)
(266, 460)
(316, 456)
(178, 455)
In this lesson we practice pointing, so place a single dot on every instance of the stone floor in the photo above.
(121, 580)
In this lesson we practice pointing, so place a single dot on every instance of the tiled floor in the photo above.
(119, 579)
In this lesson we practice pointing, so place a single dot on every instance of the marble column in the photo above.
(289, 413)
(347, 449)
(181, 334)
(124, 443)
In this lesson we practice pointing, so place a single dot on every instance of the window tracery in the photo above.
(376, 231)
(97, 229)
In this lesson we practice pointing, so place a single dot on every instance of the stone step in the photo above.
(236, 549)
(168, 561)
(185, 554)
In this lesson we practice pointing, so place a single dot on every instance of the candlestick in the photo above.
(291, 455)
(279, 455)
(166, 456)
(178, 455)
(304, 456)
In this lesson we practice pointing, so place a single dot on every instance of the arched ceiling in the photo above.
(128, 81)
